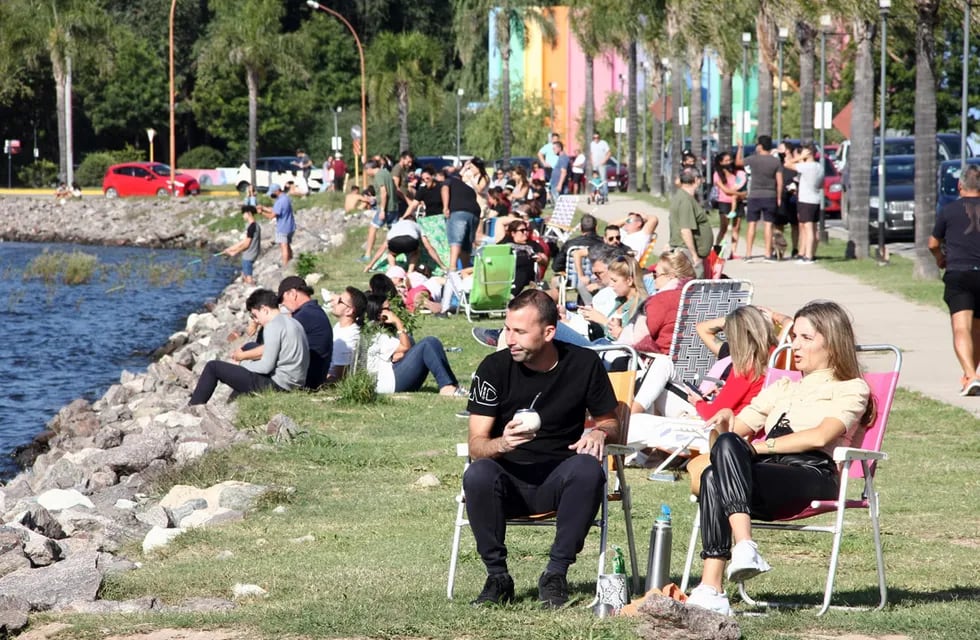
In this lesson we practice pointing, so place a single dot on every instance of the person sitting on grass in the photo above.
(348, 308)
(803, 421)
(285, 356)
(399, 364)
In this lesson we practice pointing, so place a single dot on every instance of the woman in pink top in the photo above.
(731, 198)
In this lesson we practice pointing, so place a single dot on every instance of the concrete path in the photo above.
(922, 333)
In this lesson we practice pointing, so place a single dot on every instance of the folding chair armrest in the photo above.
(621, 449)
(463, 449)
(843, 454)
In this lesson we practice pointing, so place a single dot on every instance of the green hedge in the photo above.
(93, 167)
(203, 157)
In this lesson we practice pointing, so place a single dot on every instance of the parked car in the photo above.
(146, 179)
(948, 177)
(524, 161)
(277, 170)
(947, 148)
(899, 197)
(617, 176)
(832, 187)
(440, 162)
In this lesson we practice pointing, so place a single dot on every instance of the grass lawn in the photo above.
(377, 567)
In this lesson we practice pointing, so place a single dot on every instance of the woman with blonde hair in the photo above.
(626, 280)
(751, 339)
(803, 422)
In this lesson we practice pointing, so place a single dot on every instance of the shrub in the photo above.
(305, 264)
(203, 157)
(40, 173)
(358, 387)
(70, 268)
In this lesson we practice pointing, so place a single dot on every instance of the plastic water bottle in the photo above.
(658, 563)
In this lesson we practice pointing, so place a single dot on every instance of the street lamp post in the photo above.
(884, 7)
(553, 86)
(336, 131)
(173, 94)
(619, 129)
(708, 181)
(825, 24)
(746, 43)
(360, 52)
(646, 70)
(459, 99)
(664, 65)
(150, 134)
(783, 37)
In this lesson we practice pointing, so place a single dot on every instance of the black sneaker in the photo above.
(552, 590)
(486, 337)
(498, 589)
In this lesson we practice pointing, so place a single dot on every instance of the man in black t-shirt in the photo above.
(957, 230)
(515, 472)
(765, 191)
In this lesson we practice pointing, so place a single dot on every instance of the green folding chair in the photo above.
(493, 278)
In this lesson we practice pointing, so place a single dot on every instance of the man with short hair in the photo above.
(462, 211)
(297, 296)
(579, 244)
(547, 155)
(401, 175)
(560, 172)
(637, 232)
(690, 230)
(282, 212)
(384, 187)
(955, 244)
(284, 361)
(599, 155)
(765, 191)
(304, 164)
(517, 471)
(249, 246)
(348, 307)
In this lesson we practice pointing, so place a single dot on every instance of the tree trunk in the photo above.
(401, 95)
(697, 111)
(503, 43)
(925, 136)
(677, 134)
(58, 69)
(725, 110)
(252, 80)
(631, 120)
(862, 140)
(657, 164)
(806, 35)
(589, 111)
(69, 129)
(765, 126)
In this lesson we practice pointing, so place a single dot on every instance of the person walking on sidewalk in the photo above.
(765, 191)
(955, 243)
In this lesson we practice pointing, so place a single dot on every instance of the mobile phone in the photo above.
(692, 388)
(571, 306)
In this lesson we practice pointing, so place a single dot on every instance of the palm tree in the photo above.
(927, 14)
(245, 35)
(508, 17)
(586, 18)
(862, 138)
(402, 67)
(806, 37)
(67, 32)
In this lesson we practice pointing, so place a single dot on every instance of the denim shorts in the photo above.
(247, 267)
(461, 229)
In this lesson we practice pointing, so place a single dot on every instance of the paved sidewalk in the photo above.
(922, 333)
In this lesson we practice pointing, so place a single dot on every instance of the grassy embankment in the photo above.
(378, 565)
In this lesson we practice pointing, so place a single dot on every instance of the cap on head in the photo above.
(294, 282)
(395, 272)
(274, 188)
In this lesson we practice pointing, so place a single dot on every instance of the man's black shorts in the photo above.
(764, 209)
(962, 291)
(807, 212)
(403, 244)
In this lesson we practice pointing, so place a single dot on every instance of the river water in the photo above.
(63, 342)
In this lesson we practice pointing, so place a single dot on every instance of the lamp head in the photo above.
(826, 21)
(746, 38)
(313, 4)
(459, 92)
(340, 109)
(783, 34)
(884, 5)
(553, 85)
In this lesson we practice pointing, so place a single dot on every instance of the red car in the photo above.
(832, 188)
(146, 179)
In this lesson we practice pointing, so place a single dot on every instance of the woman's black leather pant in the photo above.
(764, 486)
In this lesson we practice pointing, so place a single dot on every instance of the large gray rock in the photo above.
(41, 551)
(211, 518)
(240, 496)
(76, 579)
(13, 614)
(664, 618)
(102, 607)
(39, 519)
(156, 517)
(109, 437)
(62, 474)
(13, 560)
(159, 537)
(135, 453)
(11, 538)
(75, 420)
(186, 509)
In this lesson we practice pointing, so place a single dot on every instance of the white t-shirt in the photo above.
(811, 182)
(578, 166)
(345, 340)
(637, 241)
(597, 153)
(405, 228)
(379, 354)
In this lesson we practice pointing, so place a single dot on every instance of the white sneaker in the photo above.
(707, 597)
(746, 562)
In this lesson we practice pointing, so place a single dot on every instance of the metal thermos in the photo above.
(658, 562)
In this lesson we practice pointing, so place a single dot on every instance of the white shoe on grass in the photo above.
(746, 562)
(707, 597)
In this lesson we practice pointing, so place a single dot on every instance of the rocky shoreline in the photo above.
(64, 519)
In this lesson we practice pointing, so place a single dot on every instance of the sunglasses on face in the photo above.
(611, 238)
(520, 230)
